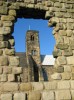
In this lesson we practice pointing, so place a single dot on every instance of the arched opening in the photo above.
(34, 52)
(45, 34)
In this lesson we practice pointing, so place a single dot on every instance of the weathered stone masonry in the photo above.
(60, 14)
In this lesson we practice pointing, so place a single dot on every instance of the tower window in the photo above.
(32, 38)
(34, 52)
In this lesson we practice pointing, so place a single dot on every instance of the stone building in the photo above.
(31, 61)
(35, 66)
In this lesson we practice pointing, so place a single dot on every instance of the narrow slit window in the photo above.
(32, 38)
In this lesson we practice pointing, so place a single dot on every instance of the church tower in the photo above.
(33, 46)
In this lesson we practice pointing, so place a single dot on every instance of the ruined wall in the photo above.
(61, 18)
(61, 90)
(60, 14)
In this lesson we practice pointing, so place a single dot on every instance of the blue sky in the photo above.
(46, 38)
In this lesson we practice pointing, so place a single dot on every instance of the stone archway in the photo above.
(60, 15)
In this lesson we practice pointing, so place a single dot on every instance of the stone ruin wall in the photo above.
(61, 17)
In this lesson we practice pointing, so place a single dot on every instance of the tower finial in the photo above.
(29, 27)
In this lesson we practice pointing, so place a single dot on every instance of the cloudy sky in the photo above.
(46, 38)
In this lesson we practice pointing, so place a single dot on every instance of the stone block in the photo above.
(1, 37)
(57, 53)
(30, 1)
(59, 39)
(72, 84)
(61, 60)
(20, 96)
(3, 10)
(62, 32)
(60, 69)
(64, 26)
(70, 26)
(66, 40)
(7, 18)
(57, 4)
(14, 6)
(10, 87)
(11, 77)
(58, 14)
(72, 69)
(50, 85)
(1, 23)
(6, 96)
(12, 12)
(63, 20)
(48, 15)
(3, 77)
(1, 30)
(9, 52)
(7, 23)
(72, 93)
(34, 95)
(63, 95)
(4, 44)
(48, 95)
(12, 42)
(69, 33)
(56, 76)
(1, 52)
(17, 70)
(49, 4)
(1, 70)
(68, 52)
(3, 61)
(37, 85)
(72, 76)
(14, 61)
(30, 5)
(62, 46)
(7, 70)
(1, 87)
(6, 30)
(63, 85)
(25, 86)
(70, 60)
(72, 46)
(66, 76)
(67, 68)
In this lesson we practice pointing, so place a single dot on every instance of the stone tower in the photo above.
(33, 55)
(33, 46)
